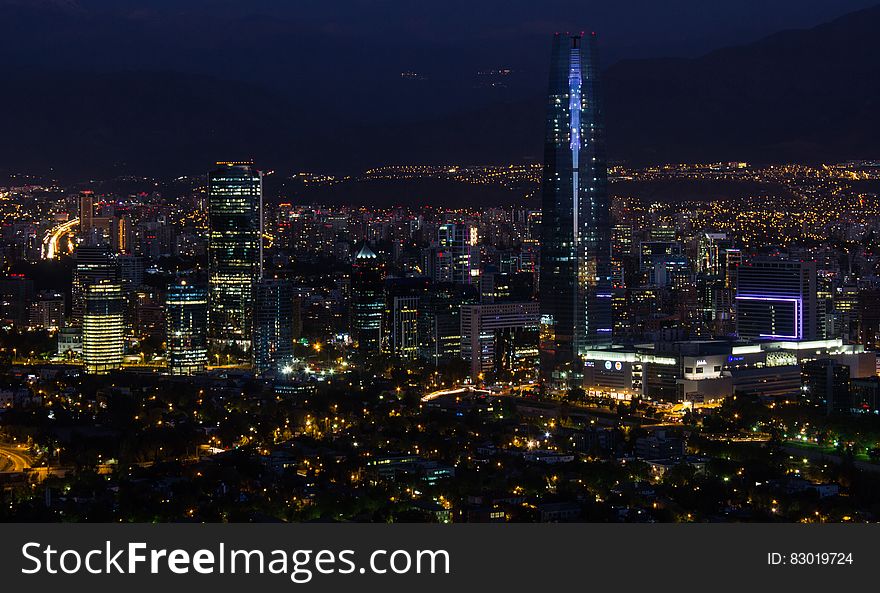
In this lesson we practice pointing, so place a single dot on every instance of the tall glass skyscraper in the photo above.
(186, 325)
(235, 250)
(368, 301)
(94, 263)
(575, 282)
(273, 327)
(103, 340)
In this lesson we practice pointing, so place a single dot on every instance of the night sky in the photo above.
(317, 64)
(368, 43)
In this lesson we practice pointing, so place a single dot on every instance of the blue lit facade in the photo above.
(575, 280)
(186, 325)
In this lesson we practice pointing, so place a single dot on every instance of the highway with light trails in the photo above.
(53, 237)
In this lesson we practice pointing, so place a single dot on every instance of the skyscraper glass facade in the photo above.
(93, 264)
(273, 327)
(235, 204)
(575, 282)
(186, 323)
(103, 327)
(368, 301)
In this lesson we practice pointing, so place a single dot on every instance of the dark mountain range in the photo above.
(797, 95)
(807, 95)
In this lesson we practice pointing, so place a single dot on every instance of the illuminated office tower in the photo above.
(405, 326)
(776, 299)
(575, 282)
(235, 250)
(621, 251)
(186, 327)
(711, 250)
(368, 301)
(273, 327)
(92, 264)
(103, 327)
(458, 254)
(400, 323)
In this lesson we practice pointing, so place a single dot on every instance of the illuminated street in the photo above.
(52, 240)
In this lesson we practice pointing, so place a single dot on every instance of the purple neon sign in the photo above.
(798, 306)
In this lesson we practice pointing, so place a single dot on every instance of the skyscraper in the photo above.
(575, 283)
(93, 264)
(440, 320)
(186, 326)
(16, 292)
(273, 327)
(400, 324)
(47, 311)
(86, 212)
(235, 250)
(368, 301)
(458, 254)
(103, 327)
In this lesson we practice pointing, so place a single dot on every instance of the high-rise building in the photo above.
(575, 282)
(186, 326)
(440, 320)
(273, 327)
(405, 325)
(145, 313)
(825, 384)
(776, 299)
(47, 311)
(93, 264)
(16, 292)
(120, 233)
(86, 212)
(711, 251)
(457, 255)
(103, 327)
(131, 270)
(368, 301)
(400, 324)
(235, 250)
(499, 339)
(621, 251)
(869, 318)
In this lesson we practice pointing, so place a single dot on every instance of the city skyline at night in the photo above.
(580, 334)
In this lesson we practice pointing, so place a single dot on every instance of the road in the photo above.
(455, 391)
(53, 237)
(13, 459)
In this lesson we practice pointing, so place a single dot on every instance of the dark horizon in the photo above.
(167, 90)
